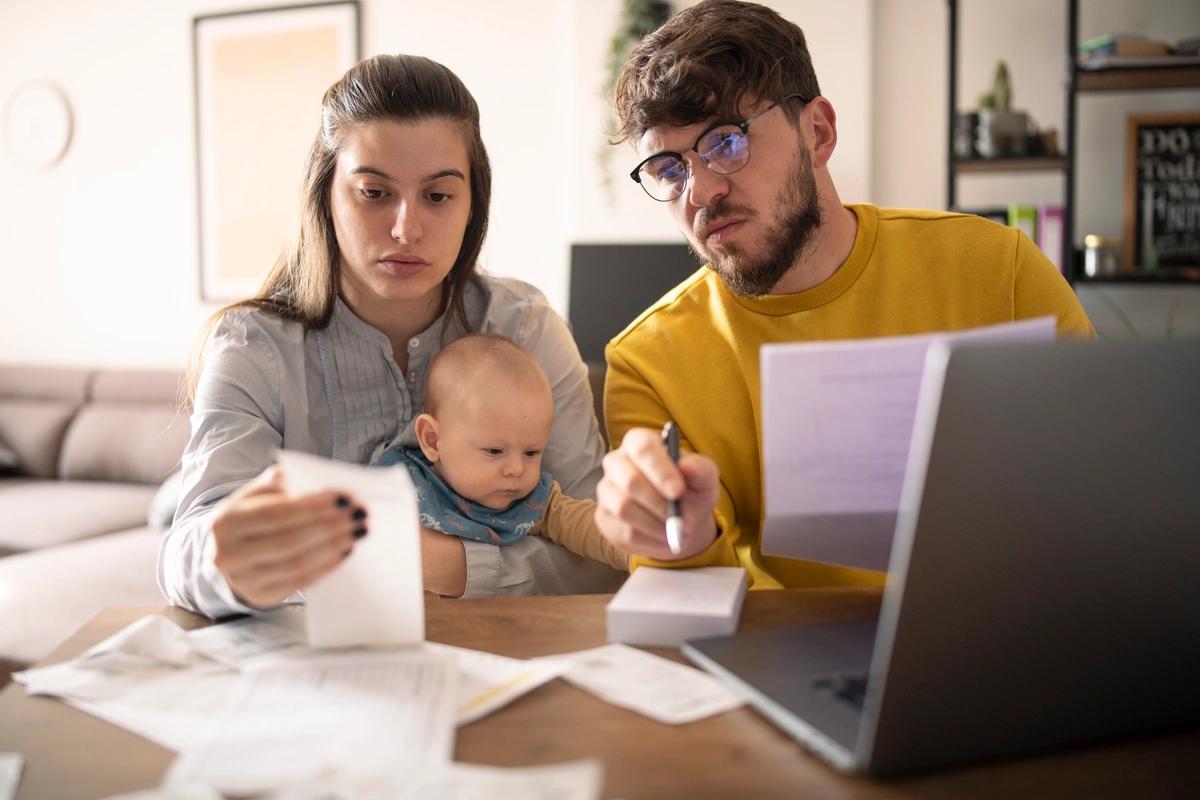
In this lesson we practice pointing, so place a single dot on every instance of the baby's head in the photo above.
(488, 411)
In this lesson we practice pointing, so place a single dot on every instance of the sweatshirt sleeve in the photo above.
(571, 523)
(236, 428)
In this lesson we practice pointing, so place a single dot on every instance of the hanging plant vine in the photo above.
(638, 18)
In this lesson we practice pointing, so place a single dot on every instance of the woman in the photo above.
(330, 357)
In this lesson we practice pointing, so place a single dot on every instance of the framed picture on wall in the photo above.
(1162, 194)
(259, 79)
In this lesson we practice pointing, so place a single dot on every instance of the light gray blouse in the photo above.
(268, 384)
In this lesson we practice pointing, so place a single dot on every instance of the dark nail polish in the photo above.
(360, 533)
(359, 514)
(342, 501)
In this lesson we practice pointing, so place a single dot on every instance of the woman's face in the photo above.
(400, 200)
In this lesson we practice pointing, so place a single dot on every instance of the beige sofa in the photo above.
(91, 448)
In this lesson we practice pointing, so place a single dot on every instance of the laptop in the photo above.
(1043, 578)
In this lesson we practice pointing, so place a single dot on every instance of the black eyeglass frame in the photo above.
(743, 125)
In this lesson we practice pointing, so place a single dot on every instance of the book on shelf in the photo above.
(1123, 44)
(1024, 219)
(1122, 62)
(1050, 220)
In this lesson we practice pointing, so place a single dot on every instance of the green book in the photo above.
(1024, 219)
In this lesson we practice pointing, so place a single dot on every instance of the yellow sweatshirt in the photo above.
(693, 356)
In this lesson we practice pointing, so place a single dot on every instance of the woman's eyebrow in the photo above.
(366, 169)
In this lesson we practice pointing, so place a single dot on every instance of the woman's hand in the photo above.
(270, 544)
(631, 500)
(443, 563)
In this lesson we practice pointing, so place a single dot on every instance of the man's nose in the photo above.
(406, 227)
(704, 187)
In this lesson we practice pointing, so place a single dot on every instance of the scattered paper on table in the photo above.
(11, 765)
(487, 681)
(241, 641)
(150, 647)
(376, 596)
(572, 780)
(356, 714)
(656, 687)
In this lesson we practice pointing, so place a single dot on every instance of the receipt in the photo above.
(655, 687)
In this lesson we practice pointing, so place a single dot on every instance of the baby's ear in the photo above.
(426, 429)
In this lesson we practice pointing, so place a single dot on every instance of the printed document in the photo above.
(376, 596)
(837, 423)
(361, 714)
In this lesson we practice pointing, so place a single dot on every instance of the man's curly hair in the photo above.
(705, 60)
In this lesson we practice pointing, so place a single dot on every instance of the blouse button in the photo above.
(414, 343)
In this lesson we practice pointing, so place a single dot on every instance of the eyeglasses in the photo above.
(723, 147)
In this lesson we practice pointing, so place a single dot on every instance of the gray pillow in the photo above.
(162, 507)
(9, 461)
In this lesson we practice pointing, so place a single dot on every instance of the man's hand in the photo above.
(631, 500)
(270, 543)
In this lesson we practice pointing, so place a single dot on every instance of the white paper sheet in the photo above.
(163, 683)
(572, 780)
(11, 765)
(655, 687)
(376, 596)
(837, 426)
(362, 715)
(239, 642)
(147, 678)
(487, 681)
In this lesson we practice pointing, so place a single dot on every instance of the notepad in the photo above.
(668, 606)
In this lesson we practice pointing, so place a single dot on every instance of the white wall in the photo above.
(98, 255)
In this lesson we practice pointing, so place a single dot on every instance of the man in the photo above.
(733, 137)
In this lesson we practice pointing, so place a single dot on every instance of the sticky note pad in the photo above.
(667, 606)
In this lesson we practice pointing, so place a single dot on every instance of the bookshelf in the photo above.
(1076, 82)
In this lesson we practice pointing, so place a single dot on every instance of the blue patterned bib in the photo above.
(443, 509)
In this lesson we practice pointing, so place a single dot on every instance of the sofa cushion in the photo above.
(9, 460)
(128, 442)
(43, 513)
(45, 596)
(36, 403)
(35, 429)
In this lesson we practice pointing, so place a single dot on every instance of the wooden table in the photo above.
(734, 755)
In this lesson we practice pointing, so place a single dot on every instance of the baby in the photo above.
(478, 469)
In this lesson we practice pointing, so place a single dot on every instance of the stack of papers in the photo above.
(666, 607)
(369, 715)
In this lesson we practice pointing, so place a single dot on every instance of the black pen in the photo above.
(670, 437)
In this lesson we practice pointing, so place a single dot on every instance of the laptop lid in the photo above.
(1040, 578)
(1046, 557)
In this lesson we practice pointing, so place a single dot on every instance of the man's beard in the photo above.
(789, 235)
